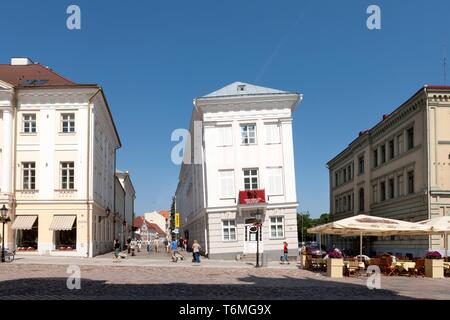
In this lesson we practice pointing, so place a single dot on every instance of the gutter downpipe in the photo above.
(427, 160)
(88, 205)
(14, 145)
(204, 190)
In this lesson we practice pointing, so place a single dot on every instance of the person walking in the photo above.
(174, 247)
(116, 250)
(285, 257)
(185, 243)
(156, 244)
(196, 251)
(129, 245)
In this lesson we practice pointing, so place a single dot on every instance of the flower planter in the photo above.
(335, 268)
(434, 268)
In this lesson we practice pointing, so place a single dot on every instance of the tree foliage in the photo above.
(308, 222)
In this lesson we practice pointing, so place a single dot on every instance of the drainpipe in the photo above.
(88, 205)
(13, 161)
(427, 159)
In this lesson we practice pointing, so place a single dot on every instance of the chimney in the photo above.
(21, 61)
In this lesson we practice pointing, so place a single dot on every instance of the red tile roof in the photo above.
(165, 214)
(31, 75)
(139, 221)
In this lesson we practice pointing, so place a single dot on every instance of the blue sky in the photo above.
(153, 57)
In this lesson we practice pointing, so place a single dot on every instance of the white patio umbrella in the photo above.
(364, 225)
(438, 225)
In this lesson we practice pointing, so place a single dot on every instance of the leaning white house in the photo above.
(246, 166)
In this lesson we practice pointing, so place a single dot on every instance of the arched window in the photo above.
(361, 200)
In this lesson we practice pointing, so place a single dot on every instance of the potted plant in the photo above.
(335, 264)
(434, 265)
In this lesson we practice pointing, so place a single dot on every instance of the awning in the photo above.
(24, 222)
(62, 223)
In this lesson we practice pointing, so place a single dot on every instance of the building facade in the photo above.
(58, 146)
(159, 219)
(398, 169)
(241, 166)
(125, 195)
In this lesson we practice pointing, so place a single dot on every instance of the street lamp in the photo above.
(4, 219)
(258, 225)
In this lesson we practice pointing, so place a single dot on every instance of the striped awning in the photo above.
(24, 222)
(62, 223)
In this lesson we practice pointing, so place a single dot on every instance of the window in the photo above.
(400, 189)
(336, 205)
(272, 133)
(345, 175)
(400, 144)
(248, 134)
(67, 175)
(375, 158)
(276, 227)
(68, 122)
(225, 136)
(383, 191)
(29, 123)
(275, 181)
(361, 165)
(391, 188)
(349, 172)
(391, 150)
(383, 153)
(349, 202)
(229, 230)
(345, 204)
(28, 176)
(251, 179)
(361, 200)
(226, 184)
(336, 179)
(410, 137)
(410, 182)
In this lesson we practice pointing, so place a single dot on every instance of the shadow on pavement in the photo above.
(252, 288)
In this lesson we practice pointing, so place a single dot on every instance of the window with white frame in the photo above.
(227, 184)
(29, 123)
(28, 176)
(67, 175)
(276, 227)
(275, 181)
(248, 133)
(68, 122)
(251, 179)
(229, 230)
(224, 136)
(272, 133)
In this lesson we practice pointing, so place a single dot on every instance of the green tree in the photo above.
(172, 215)
(304, 222)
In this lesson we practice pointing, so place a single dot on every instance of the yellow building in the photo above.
(398, 169)
(58, 146)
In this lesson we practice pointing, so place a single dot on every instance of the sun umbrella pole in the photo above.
(360, 246)
(446, 245)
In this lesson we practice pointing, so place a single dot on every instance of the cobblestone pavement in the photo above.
(48, 281)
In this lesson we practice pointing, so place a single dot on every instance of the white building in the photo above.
(244, 156)
(158, 219)
(58, 144)
(125, 196)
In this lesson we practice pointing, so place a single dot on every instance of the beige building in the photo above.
(398, 169)
(58, 147)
